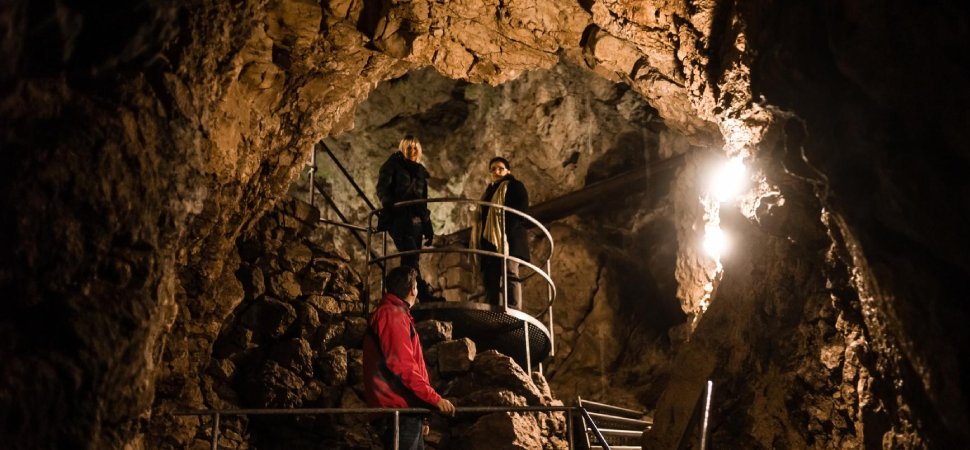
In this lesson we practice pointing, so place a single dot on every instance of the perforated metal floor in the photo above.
(491, 328)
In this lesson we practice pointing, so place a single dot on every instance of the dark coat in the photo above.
(516, 196)
(399, 180)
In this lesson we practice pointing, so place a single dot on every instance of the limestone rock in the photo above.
(332, 367)
(294, 355)
(455, 357)
(503, 430)
(295, 256)
(273, 386)
(284, 285)
(270, 316)
(433, 331)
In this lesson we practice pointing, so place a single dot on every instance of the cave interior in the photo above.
(164, 252)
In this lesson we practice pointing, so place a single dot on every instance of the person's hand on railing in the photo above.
(428, 239)
(446, 407)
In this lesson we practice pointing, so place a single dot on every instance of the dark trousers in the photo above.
(410, 428)
(407, 236)
(492, 278)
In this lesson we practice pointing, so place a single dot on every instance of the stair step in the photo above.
(613, 410)
(617, 447)
(619, 420)
(607, 432)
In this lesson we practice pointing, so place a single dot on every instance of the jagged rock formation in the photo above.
(293, 339)
(140, 140)
(562, 129)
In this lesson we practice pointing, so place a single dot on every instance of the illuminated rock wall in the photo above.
(140, 140)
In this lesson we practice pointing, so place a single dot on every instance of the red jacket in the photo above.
(395, 375)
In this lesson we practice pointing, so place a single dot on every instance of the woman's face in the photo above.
(413, 152)
(497, 170)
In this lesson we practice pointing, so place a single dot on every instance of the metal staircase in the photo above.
(611, 427)
(526, 338)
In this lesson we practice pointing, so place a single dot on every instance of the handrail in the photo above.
(610, 408)
(340, 214)
(344, 224)
(551, 291)
(596, 430)
(217, 413)
(480, 203)
(347, 175)
(476, 252)
(543, 229)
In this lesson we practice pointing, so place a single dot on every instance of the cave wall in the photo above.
(865, 348)
(140, 138)
(562, 128)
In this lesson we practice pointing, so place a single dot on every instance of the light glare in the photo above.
(715, 242)
(728, 180)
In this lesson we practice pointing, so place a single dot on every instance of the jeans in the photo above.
(410, 437)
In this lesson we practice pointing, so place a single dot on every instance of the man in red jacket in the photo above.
(394, 372)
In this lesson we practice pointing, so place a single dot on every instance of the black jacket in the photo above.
(516, 196)
(398, 180)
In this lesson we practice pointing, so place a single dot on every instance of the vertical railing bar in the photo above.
(552, 330)
(528, 354)
(505, 266)
(313, 172)
(397, 430)
(367, 260)
(569, 428)
(215, 431)
(707, 413)
(384, 266)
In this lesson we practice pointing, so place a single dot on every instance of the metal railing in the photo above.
(546, 309)
(217, 414)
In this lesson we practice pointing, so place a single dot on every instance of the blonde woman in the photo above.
(402, 177)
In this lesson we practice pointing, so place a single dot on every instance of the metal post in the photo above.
(569, 428)
(505, 265)
(215, 431)
(367, 260)
(707, 413)
(397, 430)
(528, 355)
(596, 430)
(313, 172)
(552, 329)
(384, 267)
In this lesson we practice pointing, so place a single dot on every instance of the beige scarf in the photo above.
(494, 223)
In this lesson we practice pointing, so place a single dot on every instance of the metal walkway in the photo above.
(519, 335)
(523, 337)
(493, 327)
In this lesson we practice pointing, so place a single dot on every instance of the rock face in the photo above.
(301, 347)
(141, 140)
(563, 129)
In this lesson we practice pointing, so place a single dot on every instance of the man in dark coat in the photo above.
(491, 235)
(401, 178)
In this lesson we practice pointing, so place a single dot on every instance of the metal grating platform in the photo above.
(491, 327)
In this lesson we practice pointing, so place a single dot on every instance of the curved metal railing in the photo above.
(545, 310)
(504, 255)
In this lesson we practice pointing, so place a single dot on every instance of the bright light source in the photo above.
(715, 242)
(728, 180)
